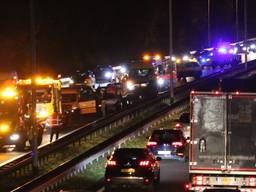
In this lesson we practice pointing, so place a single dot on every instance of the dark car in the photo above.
(141, 84)
(183, 123)
(168, 144)
(189, 69)
(132, 167)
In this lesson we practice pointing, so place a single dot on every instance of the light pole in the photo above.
(209, 22)
(33, 134)
(245, 33)
(171, 53)
(237, 22)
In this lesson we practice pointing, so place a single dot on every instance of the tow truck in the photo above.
(48, 96)
(13, 130)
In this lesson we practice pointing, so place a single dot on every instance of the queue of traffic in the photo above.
(98, 93)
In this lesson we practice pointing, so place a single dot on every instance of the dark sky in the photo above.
(73, 34)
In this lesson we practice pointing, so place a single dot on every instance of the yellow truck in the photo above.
(48, 96)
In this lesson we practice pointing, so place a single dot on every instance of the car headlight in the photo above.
(160, 81)
(4, 128)
(42, 114)
(9, 92)
(130, 86)
(14, 137)
(108, 74)
(143, 84)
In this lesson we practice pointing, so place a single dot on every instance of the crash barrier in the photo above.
(51, 180)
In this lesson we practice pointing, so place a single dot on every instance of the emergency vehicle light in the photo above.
(45, 81)
(24, 82)
(9, 92)
(42, 113)
(4, 128)
(15, 137)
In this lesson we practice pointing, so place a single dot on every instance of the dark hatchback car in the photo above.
(168, 144)
(132, 167)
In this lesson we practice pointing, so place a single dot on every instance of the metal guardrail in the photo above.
(78, 164)
(25, 165)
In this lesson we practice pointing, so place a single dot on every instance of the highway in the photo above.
(8, 154)
(174, 175)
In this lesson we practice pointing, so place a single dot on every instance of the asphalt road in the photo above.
(174, 176)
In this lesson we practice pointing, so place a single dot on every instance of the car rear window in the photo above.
(166, 136)
(133, 154)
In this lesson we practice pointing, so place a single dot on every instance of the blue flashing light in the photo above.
(203, 60)
(222, 50)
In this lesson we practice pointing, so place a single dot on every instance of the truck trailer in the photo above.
(222, 149)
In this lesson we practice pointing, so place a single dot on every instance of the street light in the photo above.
(237, 22)
(209, 23)
(245, 32)
(33, 133)
(171, 63)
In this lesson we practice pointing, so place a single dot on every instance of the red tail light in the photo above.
(178, 125)
(144, 163)
(199, 180)
(151, 143)
(111, 163)
(177, 144)
(146, 181)
(252, 181)
(186, 186)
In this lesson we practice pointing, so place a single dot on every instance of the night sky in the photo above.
(80, 34)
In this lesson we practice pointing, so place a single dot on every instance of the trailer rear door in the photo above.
(207, 149)
(242, 132)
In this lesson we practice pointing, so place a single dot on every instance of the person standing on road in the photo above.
(54, 123)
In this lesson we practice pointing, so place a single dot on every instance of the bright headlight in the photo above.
(123, 70)
(42, 114)
(130, 85)
(108, 74)
(9, 92)
(4, 128)
(160, 81)
(15, 137)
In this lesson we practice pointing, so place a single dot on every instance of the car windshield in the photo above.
(140, 73)
(166, 135)
(87, 94)
(134, 154)
(8, 108)
(66, 98)
(43, 95)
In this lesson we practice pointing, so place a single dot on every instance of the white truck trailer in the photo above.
(222, 149)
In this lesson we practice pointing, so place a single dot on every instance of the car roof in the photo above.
(131, 149)
(130, 152)
(175, 131)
